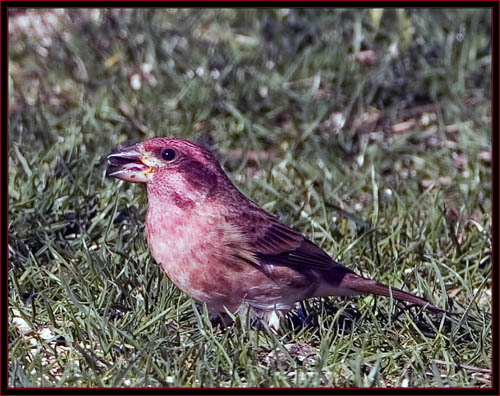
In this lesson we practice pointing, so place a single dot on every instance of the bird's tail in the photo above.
(360, 285)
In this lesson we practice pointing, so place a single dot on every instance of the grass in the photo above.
(384, 163)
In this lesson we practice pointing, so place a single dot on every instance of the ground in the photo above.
(367, 130)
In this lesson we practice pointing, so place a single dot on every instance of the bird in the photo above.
(220, 247)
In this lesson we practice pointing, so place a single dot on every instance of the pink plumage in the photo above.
(221, 248)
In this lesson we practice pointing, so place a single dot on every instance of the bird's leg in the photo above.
(220, 319)
(301, 312)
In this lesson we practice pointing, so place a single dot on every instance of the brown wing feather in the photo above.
(274, 243)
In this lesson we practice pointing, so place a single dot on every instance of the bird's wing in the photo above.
(270, 243)
(274, 243)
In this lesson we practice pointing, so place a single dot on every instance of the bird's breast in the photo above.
(190, 247)
(208, 259)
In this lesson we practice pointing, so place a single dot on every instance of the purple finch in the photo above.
(223, 249)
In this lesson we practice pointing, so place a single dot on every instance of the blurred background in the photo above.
(368, 130)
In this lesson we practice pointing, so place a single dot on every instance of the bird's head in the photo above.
(172, 168)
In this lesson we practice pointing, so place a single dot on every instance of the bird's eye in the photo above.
(168, 154)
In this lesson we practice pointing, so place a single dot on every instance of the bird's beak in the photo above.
(127, 164)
